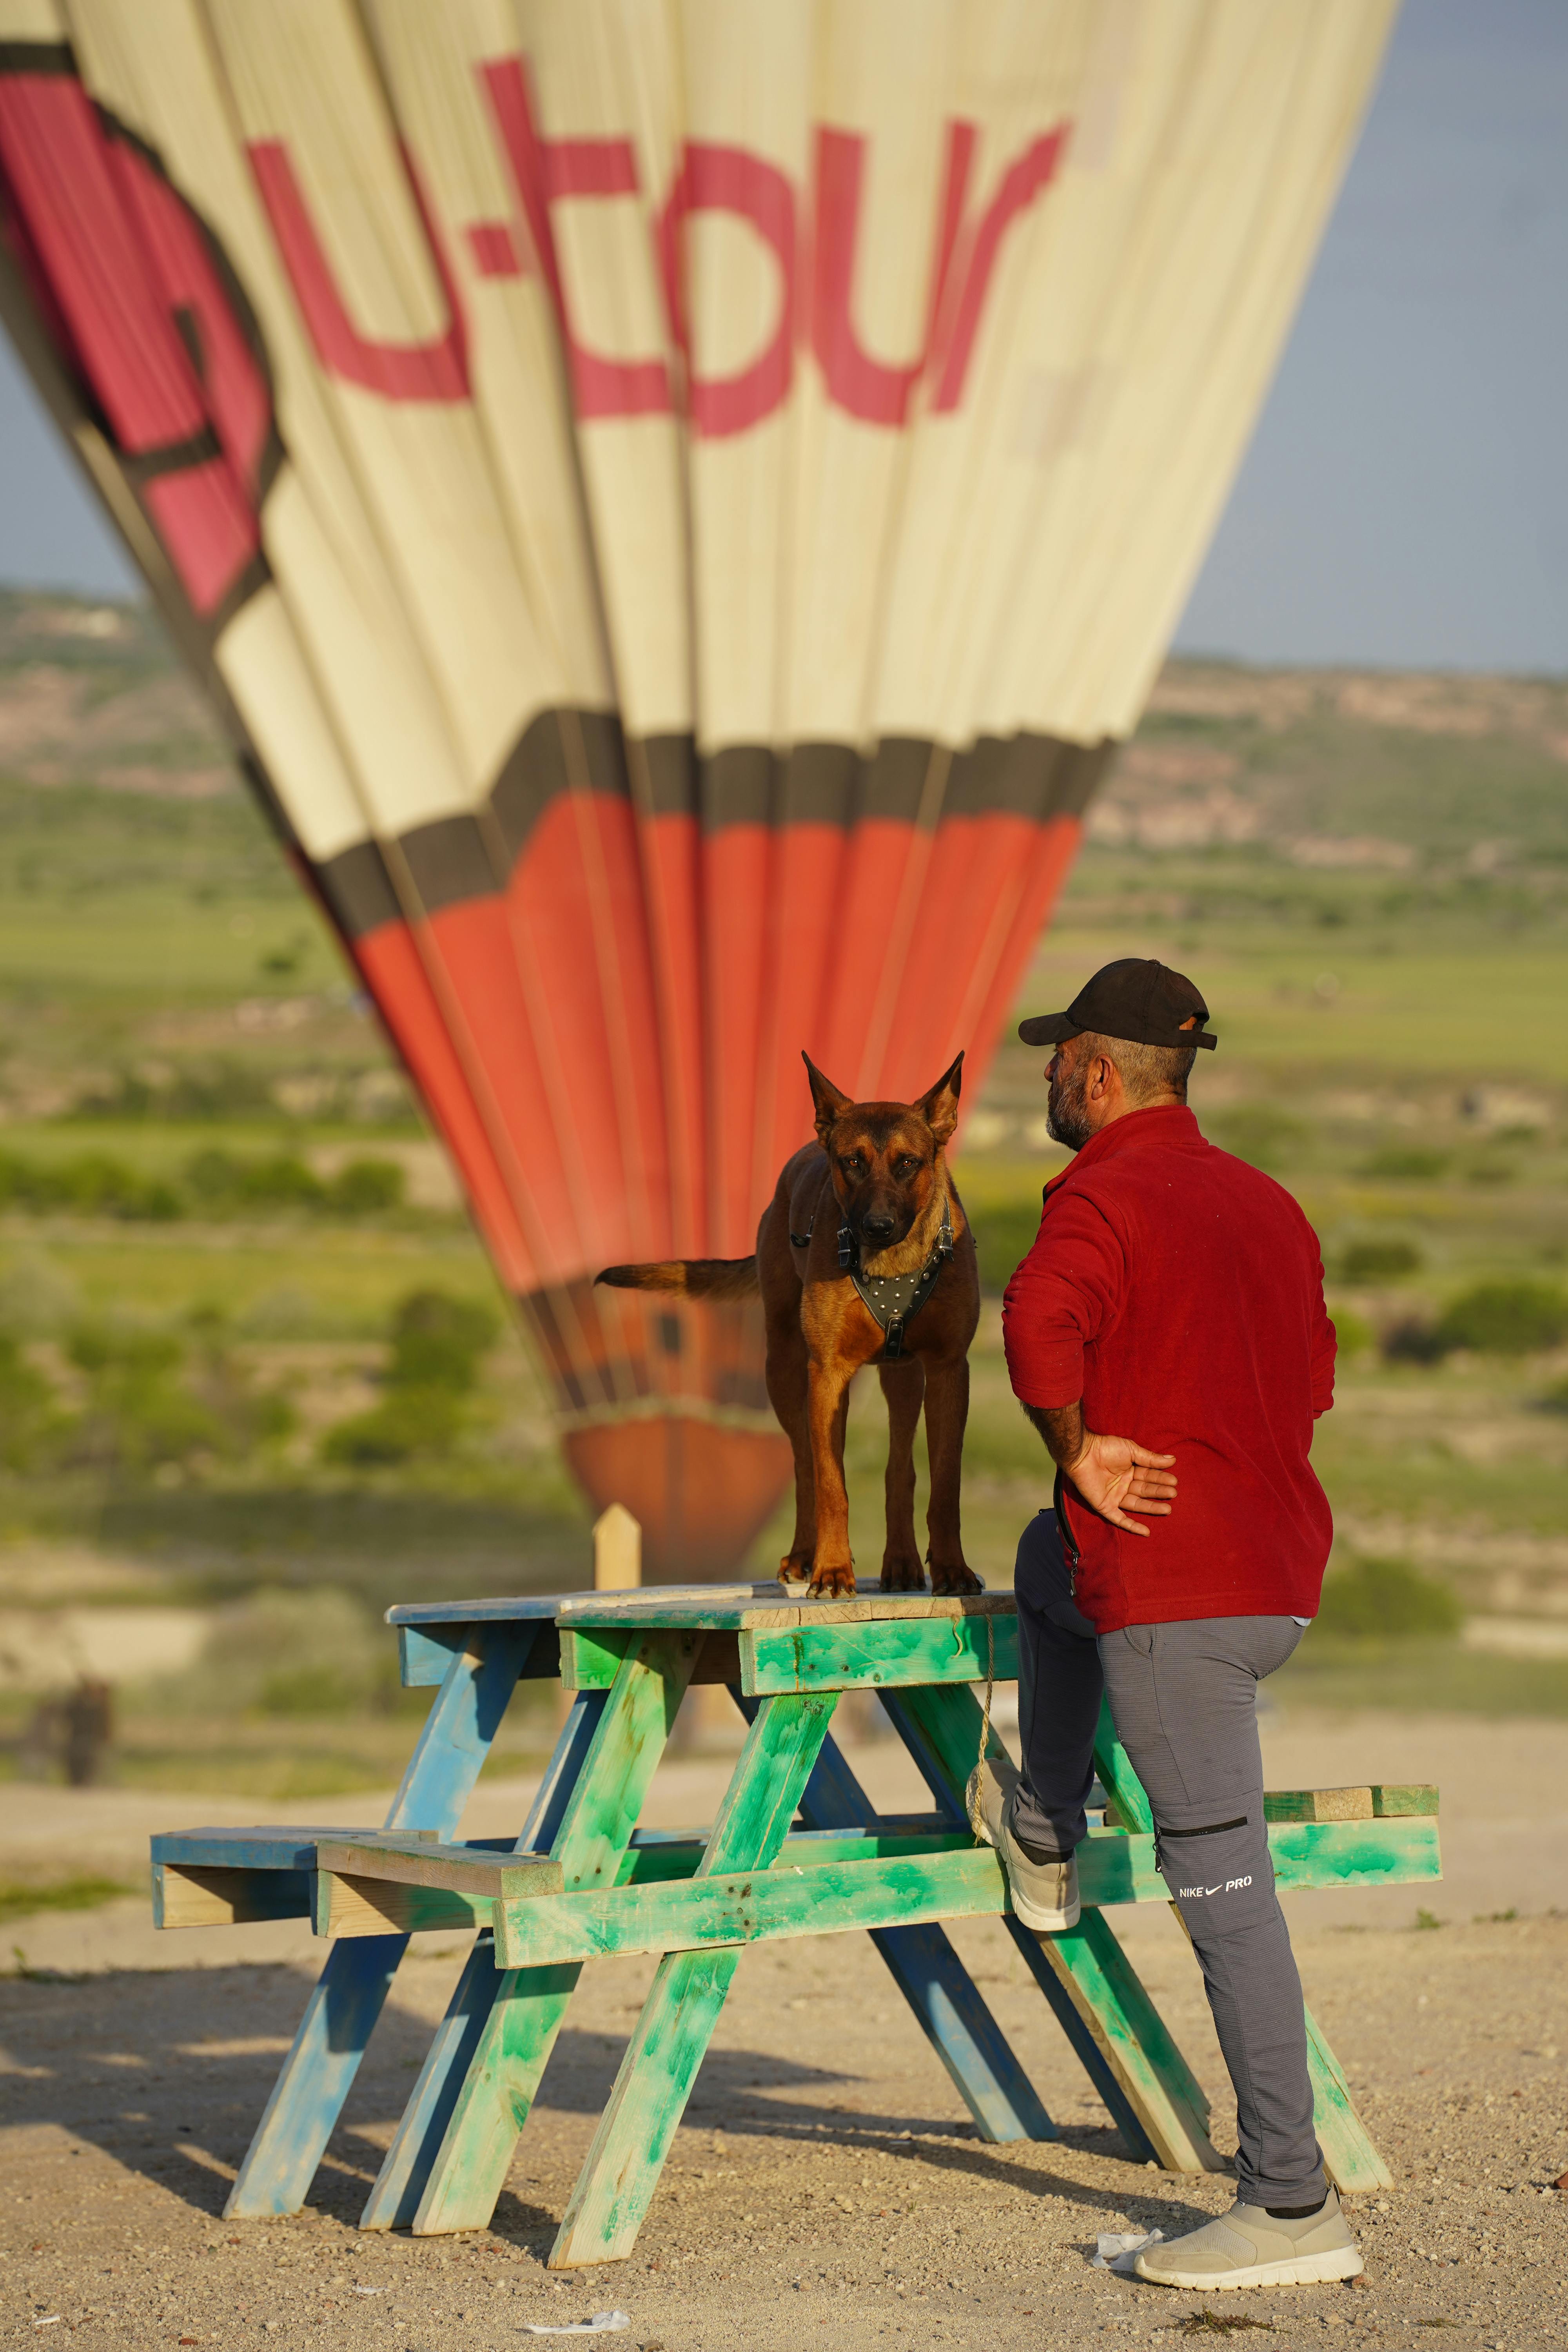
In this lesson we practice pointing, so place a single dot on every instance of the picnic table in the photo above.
(796, 1849)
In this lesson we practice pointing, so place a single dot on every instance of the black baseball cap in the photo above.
(1135, 998)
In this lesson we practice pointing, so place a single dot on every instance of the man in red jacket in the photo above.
(1167, 1336)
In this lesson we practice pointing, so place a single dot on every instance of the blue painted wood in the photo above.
(515, 1609)
(424, 1651)
(340, 2014)
(948, 2005)
(417, 2143)
(1084, 2048)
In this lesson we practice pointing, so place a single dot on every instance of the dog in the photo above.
(864, 1256)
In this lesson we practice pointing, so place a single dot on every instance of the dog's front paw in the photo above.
(903, 1573)
(958, 1579)
(795, 1567)
(832, 1583)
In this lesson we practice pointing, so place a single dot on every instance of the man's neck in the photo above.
(1127, 1110)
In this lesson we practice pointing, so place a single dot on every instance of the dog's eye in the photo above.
(853, 1167)
(905, 1167)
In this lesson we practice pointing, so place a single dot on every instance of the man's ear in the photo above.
(829, 1103)
(938, 1108)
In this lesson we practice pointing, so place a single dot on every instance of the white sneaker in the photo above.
(1045, 1893)
(1248, 2247)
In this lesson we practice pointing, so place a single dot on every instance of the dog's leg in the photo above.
(903, 1385)
(947, 1410)
(828, 1407)
(787, 1363)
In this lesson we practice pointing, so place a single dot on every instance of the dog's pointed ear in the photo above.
(938, 1108)
(828, 1102)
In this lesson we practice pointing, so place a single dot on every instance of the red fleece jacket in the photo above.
(1179, 1293)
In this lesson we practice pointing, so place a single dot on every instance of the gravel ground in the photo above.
(825, 2187)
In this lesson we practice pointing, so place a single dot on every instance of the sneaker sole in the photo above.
(1300, 2270)
(1043, 1922)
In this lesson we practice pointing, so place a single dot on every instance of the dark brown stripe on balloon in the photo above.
(455, 859)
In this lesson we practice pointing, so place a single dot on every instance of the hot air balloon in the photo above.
(677, 501)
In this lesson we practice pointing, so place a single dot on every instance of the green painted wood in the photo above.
(1395, 1844)
(1135, 2043)
(1119, 2034)
(1350, 2157)
(340, 2013)
(671, 2036)
(1417, 1797)
(514, 2044)
(876, 1655)
(819, 1897)
(1117, 1779)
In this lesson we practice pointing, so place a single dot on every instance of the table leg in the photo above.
(401, 2183)
(946, 2002)
(1122, 2040)
(671, 2036)
(517, 2031)
(340, 2014)
(1350, 2157)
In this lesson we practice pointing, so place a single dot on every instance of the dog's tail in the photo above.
(688, 1277)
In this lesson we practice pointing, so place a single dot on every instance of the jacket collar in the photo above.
(1166, 1123)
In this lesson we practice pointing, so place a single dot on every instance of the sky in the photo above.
(1404, 501)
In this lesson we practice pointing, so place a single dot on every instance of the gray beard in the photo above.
(1065, 1111)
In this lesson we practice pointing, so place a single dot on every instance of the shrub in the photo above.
(1352, 1333)
(1003, 1238)
(364, 1187)
(1416, 1340)
(1260, 1133)
(225, 1185)
(409, 1422)
(437, 1340)
(138, 1415)
(1506, 1318)
(1406, 1163)
(309, 1653)
(1386, 1600)
(26, 1407)
(1381, 1260)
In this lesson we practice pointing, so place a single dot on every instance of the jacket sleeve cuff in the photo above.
(1047, 1373)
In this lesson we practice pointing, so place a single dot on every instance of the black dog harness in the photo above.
(893, 1299)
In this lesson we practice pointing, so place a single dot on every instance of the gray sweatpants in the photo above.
(1183, 1700)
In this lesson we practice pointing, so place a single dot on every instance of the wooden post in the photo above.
(617, 1550)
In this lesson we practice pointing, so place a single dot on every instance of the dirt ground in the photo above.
(826, 2187)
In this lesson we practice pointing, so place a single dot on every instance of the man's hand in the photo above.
(1113, 1474)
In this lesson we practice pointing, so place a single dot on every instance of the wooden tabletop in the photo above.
(719, 1608)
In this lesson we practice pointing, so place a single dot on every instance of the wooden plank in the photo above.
(965, 1881)
(1134, 2042)
(339, 2016)
(1418, 1797)
(768, 1607)
(411, 2154)
(671, 2036)
(590, 1655)
(535, 1609)
(264, 1848)
(196, 1897)
(877, 1657)
(1317, 1805)
(429, 1864)
(348, 1903)
(1350, 2159)
(513, 2044)
(1111, 2023)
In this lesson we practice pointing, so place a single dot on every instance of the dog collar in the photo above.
(894, 1300)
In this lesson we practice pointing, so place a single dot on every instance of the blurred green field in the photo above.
(1369, 878)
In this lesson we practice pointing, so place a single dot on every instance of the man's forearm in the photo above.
(1061, 1426)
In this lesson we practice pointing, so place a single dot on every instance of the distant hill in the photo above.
(1327, 769)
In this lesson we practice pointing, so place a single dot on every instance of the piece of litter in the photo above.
(370, 2290)
(604, 2323)
(1117, 2249)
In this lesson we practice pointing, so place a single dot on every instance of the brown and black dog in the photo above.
(867, 1210)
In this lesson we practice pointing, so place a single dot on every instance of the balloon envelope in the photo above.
(677, 505)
